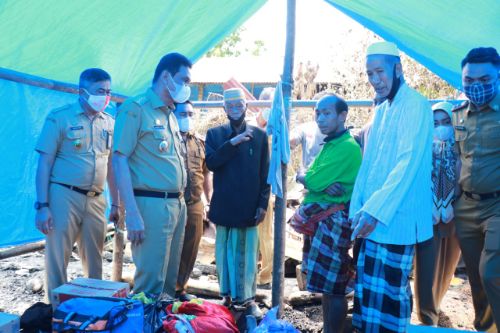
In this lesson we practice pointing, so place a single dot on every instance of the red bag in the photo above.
(206, 317)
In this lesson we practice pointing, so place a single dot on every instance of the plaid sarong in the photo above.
(329, 265)
(382, 295)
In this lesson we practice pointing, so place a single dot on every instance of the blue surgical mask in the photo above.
(480, 94)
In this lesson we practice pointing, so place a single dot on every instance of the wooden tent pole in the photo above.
(118, 247)
(37, 81)
(280, 207)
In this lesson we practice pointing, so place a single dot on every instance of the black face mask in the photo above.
(236, 124)
(396, 82)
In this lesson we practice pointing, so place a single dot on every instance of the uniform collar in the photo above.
(80, 110)
(156, 101)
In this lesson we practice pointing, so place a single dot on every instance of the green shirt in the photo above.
(338, 162)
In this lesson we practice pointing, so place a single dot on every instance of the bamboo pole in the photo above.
(37, 81)
(280, 207)
(118, 246)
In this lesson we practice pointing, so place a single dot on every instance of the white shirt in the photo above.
(394, 181)
(311, 139)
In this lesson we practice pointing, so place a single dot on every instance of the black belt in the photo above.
(79, 190)
(483, 196)
(156, 194)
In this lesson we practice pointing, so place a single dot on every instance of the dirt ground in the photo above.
(22, 278)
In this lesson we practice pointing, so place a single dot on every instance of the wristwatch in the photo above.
(40, 205)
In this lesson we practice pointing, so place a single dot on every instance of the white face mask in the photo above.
(185, 124)
(181, 92)
(98, 102)
(443, 133)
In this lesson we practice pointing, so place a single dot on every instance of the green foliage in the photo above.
(231, 46)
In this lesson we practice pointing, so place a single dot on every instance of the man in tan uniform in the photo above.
(477, 210)
(151, 176)
(75, 146)
(199, 182)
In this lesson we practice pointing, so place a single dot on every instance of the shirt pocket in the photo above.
(195, 159)
(103, 141)
(460, 136)
(159, 132)
(460, 133)
(75, 139)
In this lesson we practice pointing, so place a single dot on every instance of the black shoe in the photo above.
(253, 310)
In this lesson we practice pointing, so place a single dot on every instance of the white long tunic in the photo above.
(394, 182)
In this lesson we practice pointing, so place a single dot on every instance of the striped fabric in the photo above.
(382, 295)
(329, 265)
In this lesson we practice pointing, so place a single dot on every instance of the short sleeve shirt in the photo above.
(146, 131)
(81, 146)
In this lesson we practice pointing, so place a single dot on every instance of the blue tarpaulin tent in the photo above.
(56, 40)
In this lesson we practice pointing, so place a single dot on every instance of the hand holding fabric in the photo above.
(242, 137)
(335, 190)
(363, 225)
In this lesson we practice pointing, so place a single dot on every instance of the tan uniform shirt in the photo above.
(81, 146)
(477, 132)
(195, 167)
(146, 131)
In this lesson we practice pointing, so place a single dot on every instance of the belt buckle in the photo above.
(91, 193)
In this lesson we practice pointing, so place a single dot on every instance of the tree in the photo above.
(231, 46)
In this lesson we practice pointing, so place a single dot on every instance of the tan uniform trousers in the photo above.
(157, 257)
(436, 260)
(266, 245)
(478, 231)
(76, 218)
(192, 237)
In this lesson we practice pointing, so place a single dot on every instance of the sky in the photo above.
(324, 35)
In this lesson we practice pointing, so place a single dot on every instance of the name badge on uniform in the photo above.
(158, 127)
(76, 128)
(460, 128)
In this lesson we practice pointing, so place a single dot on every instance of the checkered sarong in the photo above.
(382, 295)
(329, 265)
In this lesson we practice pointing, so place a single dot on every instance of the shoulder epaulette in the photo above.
(140, 100)
(107, 114)
(59, 109)
(199, 137)
(462, 105)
